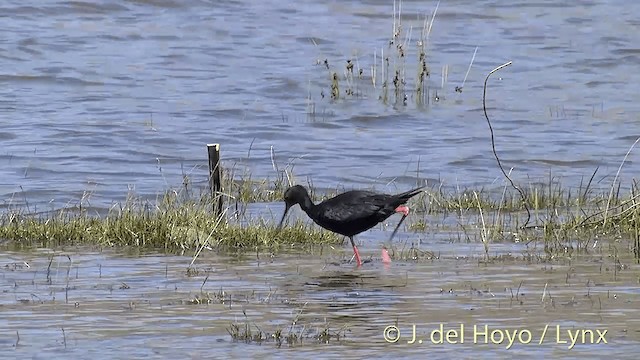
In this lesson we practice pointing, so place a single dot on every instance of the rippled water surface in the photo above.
(106, 305)
(107, 96)
(100, 98)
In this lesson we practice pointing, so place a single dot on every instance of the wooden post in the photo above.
(215, 181)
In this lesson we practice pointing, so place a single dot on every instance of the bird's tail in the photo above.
(411, 193)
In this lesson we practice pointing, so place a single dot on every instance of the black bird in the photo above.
(352, 212)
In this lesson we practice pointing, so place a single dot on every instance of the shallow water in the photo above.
(124, 306)
(101, 98)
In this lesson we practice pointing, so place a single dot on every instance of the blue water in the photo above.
(99, 99)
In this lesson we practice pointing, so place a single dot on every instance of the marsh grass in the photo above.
(407, 252)
(249, 332)
(399, 67)
(170, 223)
(564, 219)
(296, 333)
(243, 188)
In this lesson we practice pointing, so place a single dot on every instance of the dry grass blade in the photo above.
(206, 241)
(613, 185)
(485, 237)
(459, 89)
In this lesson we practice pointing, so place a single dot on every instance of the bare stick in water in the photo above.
(66, 289)
(373, 68)
(64, 338)
(493, 142)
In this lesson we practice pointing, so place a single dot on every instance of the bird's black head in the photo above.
(295, 195)
(292, 196)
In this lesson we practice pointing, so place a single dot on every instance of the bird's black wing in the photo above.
(356, 206)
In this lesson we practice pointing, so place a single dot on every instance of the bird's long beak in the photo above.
(286, 210)
(397, 227)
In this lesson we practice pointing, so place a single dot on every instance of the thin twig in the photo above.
(204, 282)
(468, 69)
(493, 142)
(433, 18)
(206, 241)
(273, 160)
(485, 238)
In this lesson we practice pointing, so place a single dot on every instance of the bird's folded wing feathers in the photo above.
(354, 210)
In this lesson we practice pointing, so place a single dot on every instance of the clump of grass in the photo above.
(390, 70)
(539, 196)
(171, 224)
(412, 253)
(243, 188)
(564, 219)
(295, 334)
(219, 297)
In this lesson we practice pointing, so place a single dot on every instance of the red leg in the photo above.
(385, 256)
(356, 253)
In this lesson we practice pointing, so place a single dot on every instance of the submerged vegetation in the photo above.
(296, 333)
(396, 72)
